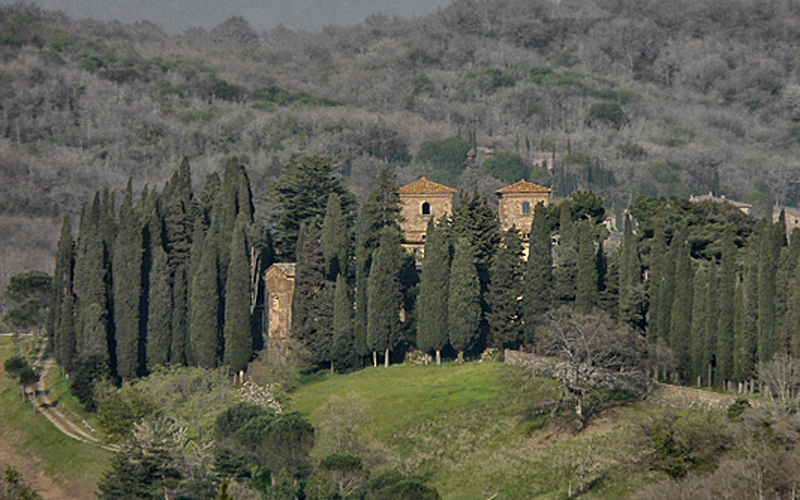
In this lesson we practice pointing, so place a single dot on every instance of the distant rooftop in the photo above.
(744, 207)
(423, 185)
(523, 186)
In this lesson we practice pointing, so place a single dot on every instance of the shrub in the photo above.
(608, 113)
(507, 167)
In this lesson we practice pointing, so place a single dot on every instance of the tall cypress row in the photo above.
(384, 297)
(159, 338)
(699, 315)
(631, 295)
(311, 316)
(179, 324)
(506, 275)
(127, 286)
(343, 353)
(769, 243)
(747, 350)
(709, 322)
(666, 293)
(60, 327)
(463, 305)
(565, 273)
(658, 261)
(432, 299)
(538, 282)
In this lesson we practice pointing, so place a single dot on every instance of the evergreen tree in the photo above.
(238, 339)
(709, 324)
(631, 295)
(725, 323)
(384, 297)
(432, 300)
(59, 326)
(343, 354)
(463, 305)
(657, 268)
(301, 194)
(381, 209)
(159, 318)
(586, 274)
(746, 353)
(666, 293)
(474, 219)
(565, 274)
(769, 243)
(792, 317)
(699, 314)
(681, 317)
(312, 307)
(127, 283)
(179, 330)
(204, 331)
(335, 239)
(538, 282)
(505, 289)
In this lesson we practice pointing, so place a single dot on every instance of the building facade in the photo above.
(421, 201)
(516, 203)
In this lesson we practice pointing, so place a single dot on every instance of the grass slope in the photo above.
(75, 466)
(463, 426)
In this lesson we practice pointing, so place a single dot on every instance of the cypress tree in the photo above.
(725, 323)
(384, 297)
(127, 283)
(538, 282)
(335, 239)
(709, 323)
(505, 289)
(204, 332)
(586, 275)
(160, 311)
(311, 315)
(463, 305)
(699, 315)
(565, 273)
(474, 219)
(747, 351)
(792, 318)
(769, 252)
(238, 340)
(631, 295)
(681, 317)
(343, 353)
(179, 331)
(658, 261)
(666, 293)
(432, 299)
(63, 336)
(381, 209)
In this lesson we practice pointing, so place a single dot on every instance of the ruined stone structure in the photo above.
(744, 207)
(421, 201)
(279, 279)
(516, 203)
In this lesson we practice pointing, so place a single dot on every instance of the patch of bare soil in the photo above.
(34, 476)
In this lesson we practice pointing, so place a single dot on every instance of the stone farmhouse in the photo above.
(420, 201)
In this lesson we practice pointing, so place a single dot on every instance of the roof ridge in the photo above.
(424, 185)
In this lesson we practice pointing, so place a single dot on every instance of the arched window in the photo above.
(426, 208)
(526, 207)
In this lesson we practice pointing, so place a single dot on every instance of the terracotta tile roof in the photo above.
(423, 185)
(523, 186)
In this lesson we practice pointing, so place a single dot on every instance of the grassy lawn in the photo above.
(76, 466)
(463, 427)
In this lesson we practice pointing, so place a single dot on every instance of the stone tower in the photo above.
(516, 203)
(421, 201)
(279, 280)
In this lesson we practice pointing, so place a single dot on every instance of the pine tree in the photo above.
(335, 240)
(301, 194)
(204, 332)
(725, 323)
(505, 289)
(384, 297)
(586, 275)
(127, 266)
(538, 282)
(238, 339)
(432, 300)
(63, 337)
(381, 209)
(769, 252)
(631, 295)
(159, 318)
(343, 353)
(463, 305)
(565, 274)
(681, 317)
